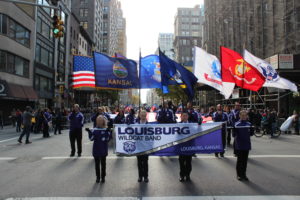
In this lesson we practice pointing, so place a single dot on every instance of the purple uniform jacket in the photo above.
(242, 132)
(101, 137)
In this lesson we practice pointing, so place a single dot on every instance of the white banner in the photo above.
(138, 139)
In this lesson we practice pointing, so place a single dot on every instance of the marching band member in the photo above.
(242, 132)
(101, 136)
(185, 160)
(143, 159)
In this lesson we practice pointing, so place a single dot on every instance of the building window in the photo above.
(84, 25)
(3, 24)
(43, 83)
(44, 54)
(83, 2)
(14, 30)
(86, 12)
(14, 64)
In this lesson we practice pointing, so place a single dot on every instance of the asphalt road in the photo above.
(43, 169)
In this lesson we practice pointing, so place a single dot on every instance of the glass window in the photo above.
(45, 30)
(10, 63)
(38, 53)
(27, 39)
(26, 68)
(51, 60)
(2, 61)
(37, 82)
(4, 24)
(86, 12)
(12, 29)
(20, 34)
(43, 84)
(81, 12)
(19, 66)
(39, 25)
(44, 57)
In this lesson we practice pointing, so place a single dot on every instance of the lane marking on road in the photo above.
(8, 158)
(157, 157)
(279, 197)
(14, 138)
(151, 157)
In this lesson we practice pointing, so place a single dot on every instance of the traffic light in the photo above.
(61, 89)
(54, 2)
(58, 28)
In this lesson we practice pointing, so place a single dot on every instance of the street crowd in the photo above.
(237, 123)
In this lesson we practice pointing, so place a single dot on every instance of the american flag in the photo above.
(83, 72)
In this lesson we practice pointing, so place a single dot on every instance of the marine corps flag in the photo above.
(236, 70)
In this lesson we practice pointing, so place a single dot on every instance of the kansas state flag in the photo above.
(150, 72)
(115, 73)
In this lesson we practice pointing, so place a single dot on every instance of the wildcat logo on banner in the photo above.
(169, 139)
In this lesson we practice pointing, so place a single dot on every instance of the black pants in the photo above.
(18, 129)
(185, 163)
(76, 135)
(101, 160)
(45, 130)
(223, 143)
(241, 164)
(142, 162)
(57, 128)
(26, 131)
(228, 136)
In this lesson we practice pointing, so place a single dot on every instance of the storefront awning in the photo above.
(20, 92)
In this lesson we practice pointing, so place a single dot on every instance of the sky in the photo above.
(145, 19)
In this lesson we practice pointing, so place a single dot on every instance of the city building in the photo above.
(267, 29)
(17, 39)
(114, 28)
(121, 28)
(165, 43)
(153, 98)
(90, 15)
(51, 65)
(187, 33)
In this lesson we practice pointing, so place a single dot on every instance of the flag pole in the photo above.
(140, 80)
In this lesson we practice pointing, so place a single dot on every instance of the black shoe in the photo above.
(146, 180)
(28, 142)
(79, 155)
(103, 180)
(181, 179)
(239, 178)
(194, 155)
(188, 178)
(246, 178)
(20, 141)
(222, 155)
(139, 179)
(98, 180)
(217, 155)
(72, 155)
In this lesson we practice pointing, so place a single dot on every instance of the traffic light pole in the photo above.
(30, 3)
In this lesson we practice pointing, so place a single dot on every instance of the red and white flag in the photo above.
(236, 70)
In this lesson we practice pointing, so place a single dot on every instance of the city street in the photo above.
(44, 169)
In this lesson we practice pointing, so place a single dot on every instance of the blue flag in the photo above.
(116, 73)
(150, 72)
(173, 70)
